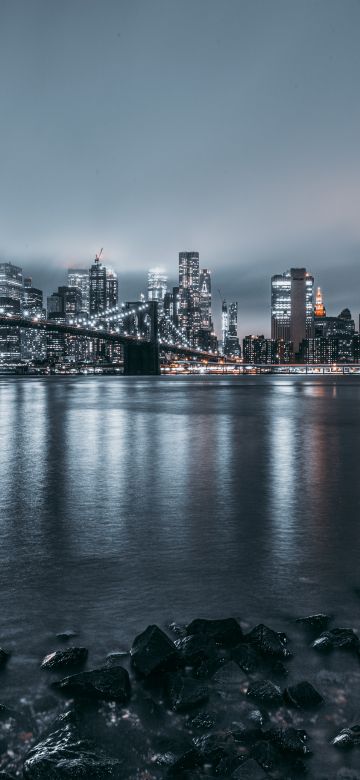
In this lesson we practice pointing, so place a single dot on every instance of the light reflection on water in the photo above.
(130, 500)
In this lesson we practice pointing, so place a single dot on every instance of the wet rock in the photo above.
(319, 621)
(346, 773)
(337, 638)
(246, 657)
(227, 632)
(184, 693)
(63, 754)
(177, 628)
(266, 755)
(204, 720)
(197, 648)
(265, 692)
(268, 642)
(6, 776)
(60, 659)
(348, 737)
(106, 683)
(279, 669)
(115, 659)
(65, 635)
(250, 770)
(153, 652)
(189, 760)
(289, 740)
(303, 695)
(4, 657)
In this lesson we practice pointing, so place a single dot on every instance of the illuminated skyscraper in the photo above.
(103, 287)
(11, 282)
(189, 295)
(205, 298)
(231, 344)
(157, 287)
(319, 310)
(80, 278)
(292, 306)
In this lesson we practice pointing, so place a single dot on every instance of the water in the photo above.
(129, 501)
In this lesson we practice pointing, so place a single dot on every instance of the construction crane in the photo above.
(97, 257)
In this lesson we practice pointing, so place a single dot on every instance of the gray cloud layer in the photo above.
(227, 126)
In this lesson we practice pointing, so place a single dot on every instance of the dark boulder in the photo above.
(203, 720)
(265, 692)
(63, 754)
(184, 693)
(153, 652)
(268, 642)
(289, 740)
(72, 656)
(246, 657)
(349, 737)
(266, 755)
(318, 622)
(106, 684)
(189, 760)
(344, 638)
(303, 695)
(226, 632)
(4, 657)
(250, 770)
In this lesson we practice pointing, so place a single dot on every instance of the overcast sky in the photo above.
(230, 127)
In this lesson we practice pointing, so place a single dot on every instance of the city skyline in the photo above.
(232, 128)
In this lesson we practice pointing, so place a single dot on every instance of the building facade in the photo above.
(189, 295)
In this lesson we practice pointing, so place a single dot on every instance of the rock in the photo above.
(106, 684)
(153, 652)
(349, 737)
(184, 693)
(114, 659)
(279, 669)
(189, 760)
(266, 755)
(266, 692)
(337, 638)
(303, 695)
(319, 621)
(65, 635)
(4, 657)
(72, 656)
(63, 754)
(204, 720)
(6, 776)
(227, 632)
(250, 770)
(289, 740)
(246, 657)
(268, 642)
(200, 653)
(346, 773)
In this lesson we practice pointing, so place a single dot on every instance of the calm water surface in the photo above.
(129, 501)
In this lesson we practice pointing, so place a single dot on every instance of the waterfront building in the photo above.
(11, 282)
(10, 350)
(32, 300)
(189, 295)
(341, 326)
(319, 310)
(292, 306)
(32, 342)
(80, 278)
(231, 345)
(262, 351)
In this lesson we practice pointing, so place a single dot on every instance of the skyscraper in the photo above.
(205, 298)
(11, 281)
(319, 310)
(189, 295)
(103, 287)
(292, 306)
(157, 287)
(80, 278)
(231, 344)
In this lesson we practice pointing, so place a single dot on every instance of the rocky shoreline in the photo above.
(209, 699)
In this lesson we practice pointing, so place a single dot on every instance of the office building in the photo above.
(11, 282)
(103, 288)
(205, 298)
(292, 306)
(80, 278)
(157, 288)
(189, 295)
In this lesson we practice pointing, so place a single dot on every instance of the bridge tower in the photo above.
(143, 359)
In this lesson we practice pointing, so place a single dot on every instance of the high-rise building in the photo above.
(319, 310)
(224, 322)
(205, 298)
(157, 287)
(337, 327)
(103, 288)
(292, 306)
(32, 342)
(65, 304)
(189, 295)
(80, 278)
(231, 345)
(11, 281)
(32, 299)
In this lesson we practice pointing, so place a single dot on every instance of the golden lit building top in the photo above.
(319, 310)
